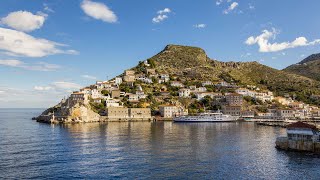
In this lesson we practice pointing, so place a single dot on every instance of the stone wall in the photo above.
(285, 144)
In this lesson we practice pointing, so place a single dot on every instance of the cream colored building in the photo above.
(168, 111)
(117, 112)
(140, 113)
(122, 113)
(129, 78)
(79, 97)
(232, 110)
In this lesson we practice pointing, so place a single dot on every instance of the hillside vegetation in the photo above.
(192, 64)
(309, 67)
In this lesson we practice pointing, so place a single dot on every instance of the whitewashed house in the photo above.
(184, 92)
(95, 94)
(176, 84)
(207, 83)
(133, 98)
(118, 80)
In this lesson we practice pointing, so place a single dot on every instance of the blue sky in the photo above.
(49, 48)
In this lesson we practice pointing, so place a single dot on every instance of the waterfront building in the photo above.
(232, 110)
(301, 131)
(247, 114)
(168, 111)
(117, 112)
(121, 113)
(234, 99)
(285, 113)
(140, 113)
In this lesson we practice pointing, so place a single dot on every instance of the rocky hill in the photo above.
(161, 79)
(309, 67)
(192, 64)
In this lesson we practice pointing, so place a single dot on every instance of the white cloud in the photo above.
(218, 2)
(251, 6)
(16, 43)
(232, 6)
(88, 77)
(165, 10)
(66, 85)
(42, 88)
(35, 97)
(12, 63)
(98, 11)
(47, 8)
(265, 46)
(200, 25)
(159, 18)
(24, 20)
(40, 66)
(162, 15)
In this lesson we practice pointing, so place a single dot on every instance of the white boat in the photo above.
(206, 117)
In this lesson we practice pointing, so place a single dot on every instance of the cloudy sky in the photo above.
(50, 47)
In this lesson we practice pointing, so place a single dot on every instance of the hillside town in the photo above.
(143, 93)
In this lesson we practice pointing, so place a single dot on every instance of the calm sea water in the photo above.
(145, 150)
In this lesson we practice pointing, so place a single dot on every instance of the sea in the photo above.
(145, 150)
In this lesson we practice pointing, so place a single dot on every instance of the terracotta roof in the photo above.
(301, 125)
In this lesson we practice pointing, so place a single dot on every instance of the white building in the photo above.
(145, 80)
(141, 95)
(168, 111)
(86, 91)
(133, 98)
(264, 96)
(118, 80)
(245, 92)
(201, 95)
(184, 92)
(112, 103)
(201, 89)
(176, 84)
(206, 83)
(95, 94)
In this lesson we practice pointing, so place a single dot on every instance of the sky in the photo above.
(48, 48)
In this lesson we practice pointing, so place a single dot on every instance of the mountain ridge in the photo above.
(308, 67)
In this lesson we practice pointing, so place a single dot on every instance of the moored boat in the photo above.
(206, 117)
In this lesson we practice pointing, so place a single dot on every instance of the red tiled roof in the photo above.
(301, 125)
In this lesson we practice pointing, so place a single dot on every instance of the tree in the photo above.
(105, 92)
(152, 63)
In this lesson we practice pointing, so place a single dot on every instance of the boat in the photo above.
(206, 117)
